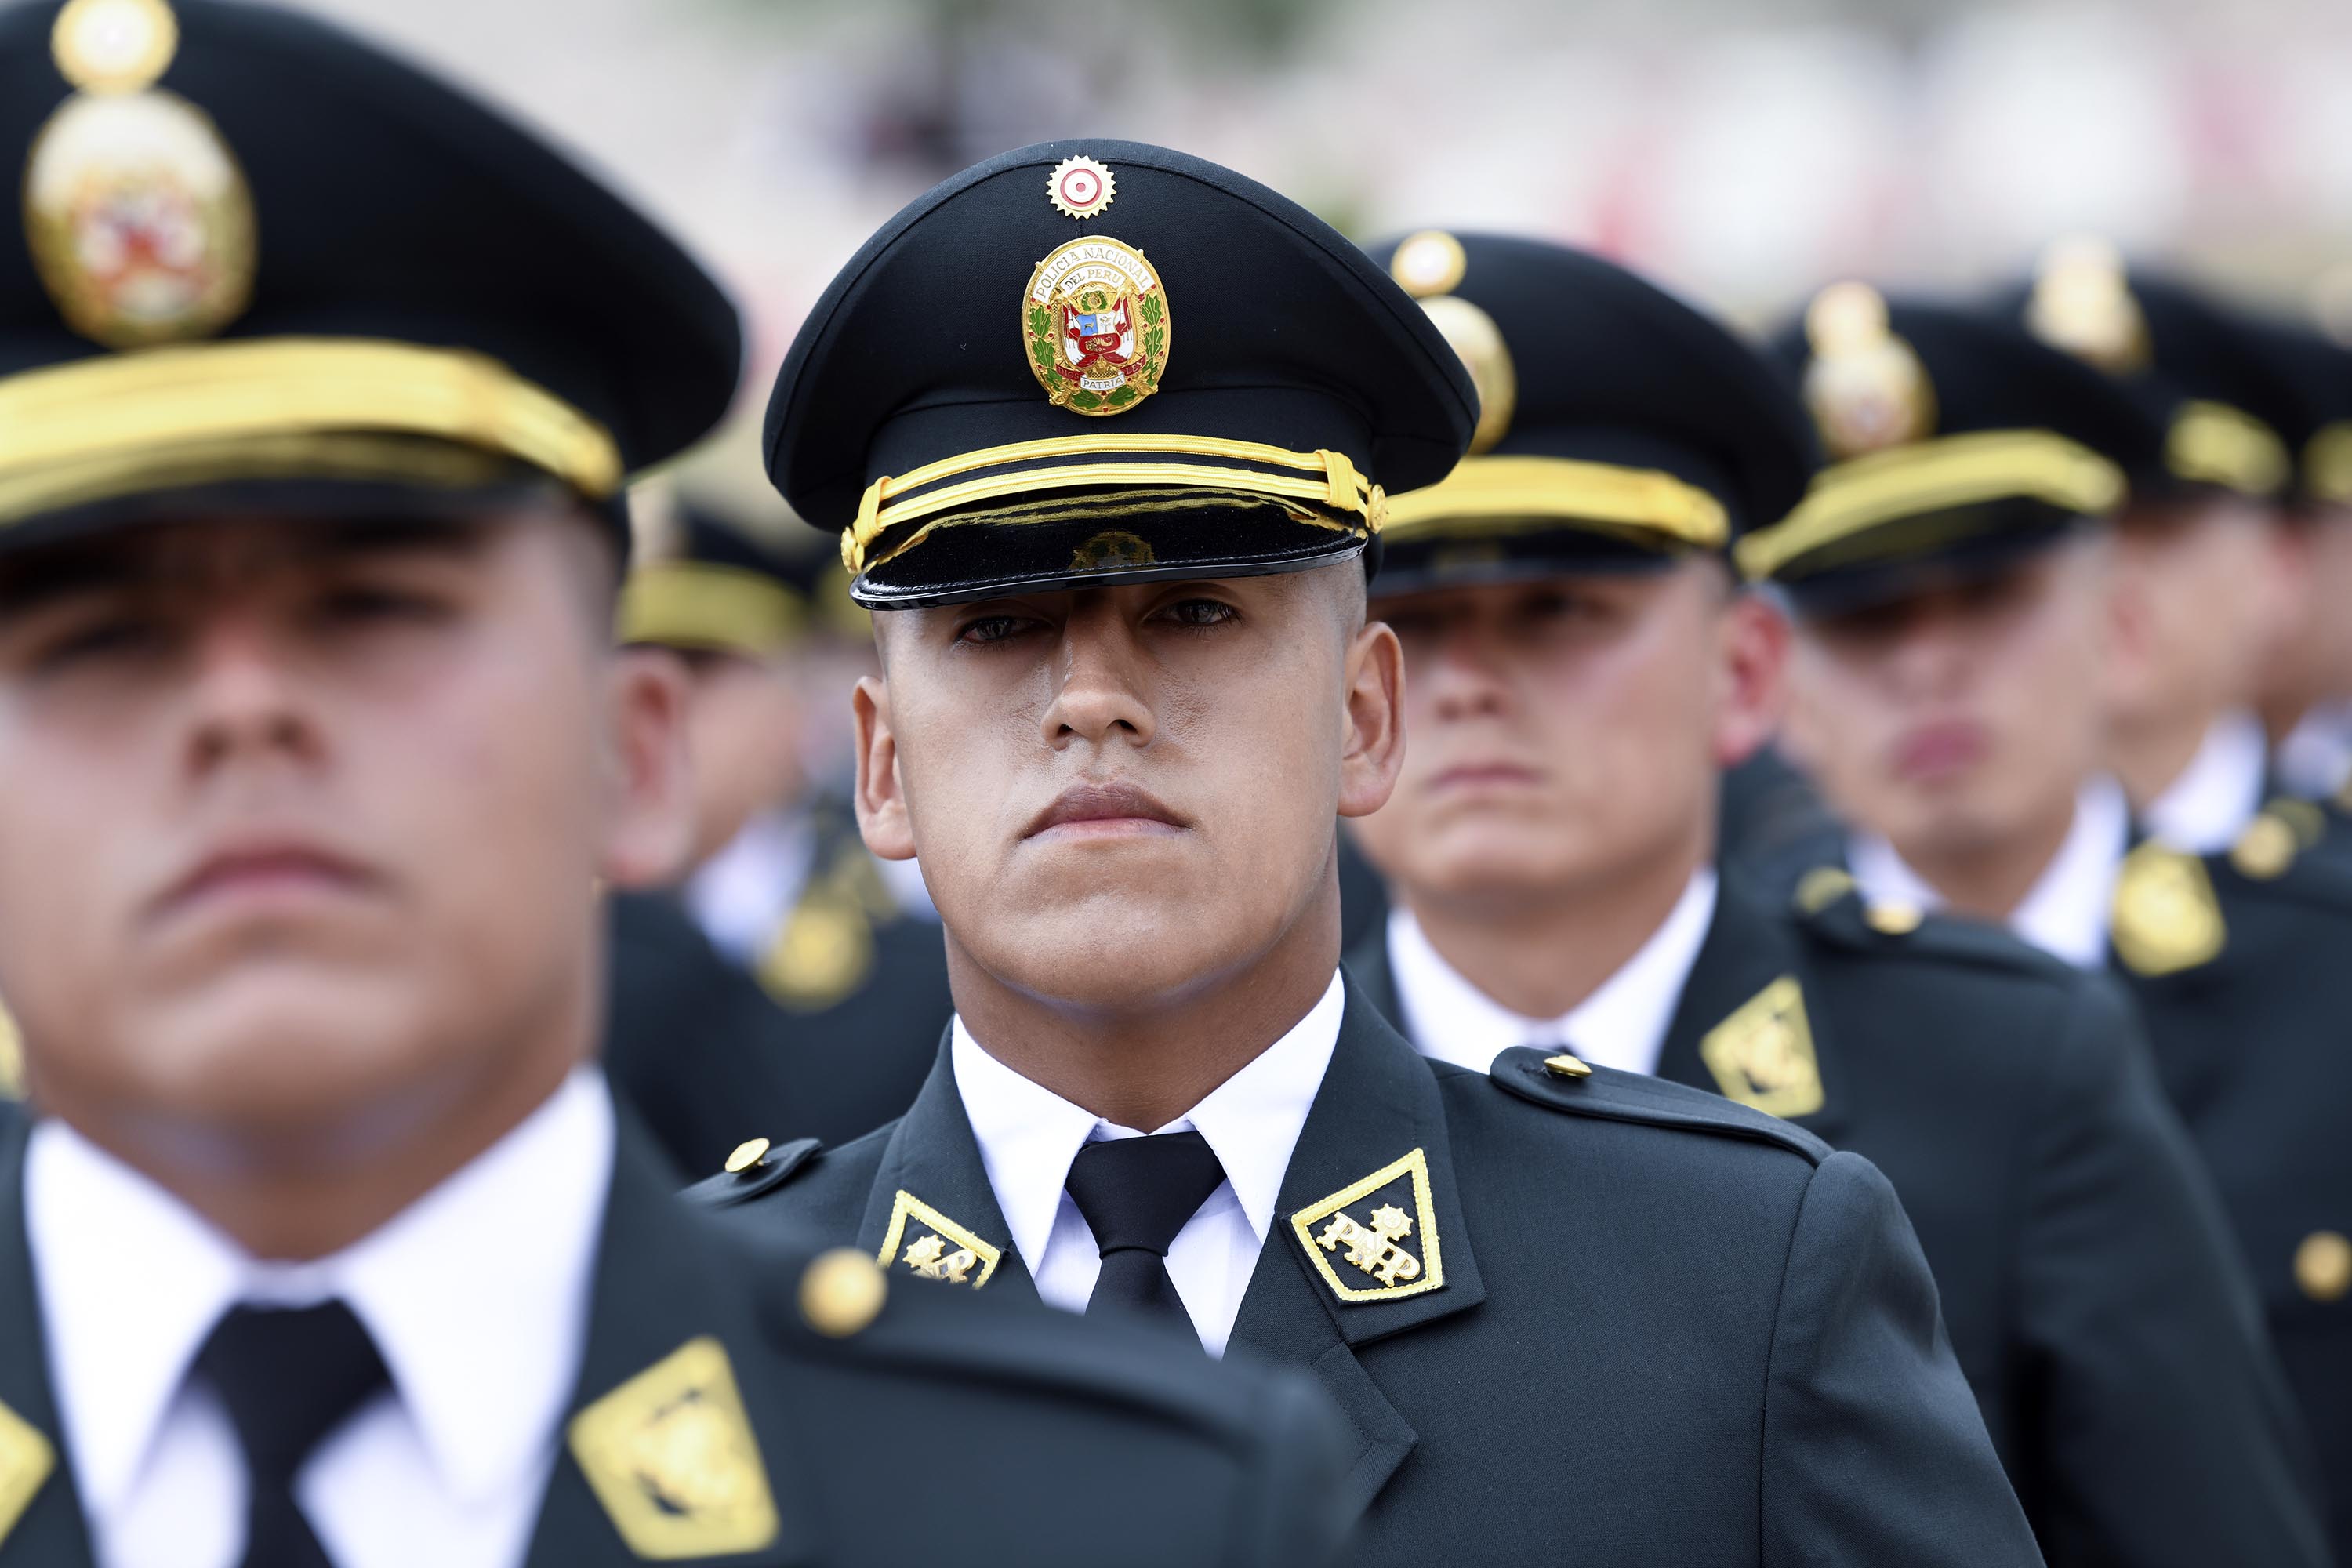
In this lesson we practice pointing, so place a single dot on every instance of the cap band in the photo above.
(2327, 464)
(1321, 480)
(114, 425)
(2215, 444)
(697, 604)
(1515, 493)
(1861, 493)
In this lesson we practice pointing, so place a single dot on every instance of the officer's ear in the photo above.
(1373, 724)
(1752, 676)
(881, 798)
(649, 782)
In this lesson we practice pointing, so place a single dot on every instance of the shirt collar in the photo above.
(1028, 1134)
(1623, 1023)
(2219, 793)
(739, 894)
(477, 1295)
(2065, 913)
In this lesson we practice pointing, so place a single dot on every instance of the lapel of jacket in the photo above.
(676, 1363)
(932, 1186)
(1374, 1150)
(41, 1520)
(1745, 1026)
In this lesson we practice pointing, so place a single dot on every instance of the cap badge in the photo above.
(1097, 322)
(925, 1242)
(1864, 386)
(1429, 263)
(1478, 342)
(1114, 550)
(1382, 1230)
(1763, 1056)
(2166, 916)
(1080, 188)
(2083, 302)
(138, 218)
(671, 1455)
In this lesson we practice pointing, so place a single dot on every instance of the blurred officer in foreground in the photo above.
(782, 986)
(327, 1245)
(1951, 577)
(1110, 506)
(1580, 665)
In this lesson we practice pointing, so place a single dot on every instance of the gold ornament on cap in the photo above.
(2082, 303)
(1866, 389)
(1478, 342)
(1429, 263)
(138, 218)
(1098, 326)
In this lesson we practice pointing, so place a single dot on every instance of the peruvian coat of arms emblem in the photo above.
(1098, 328)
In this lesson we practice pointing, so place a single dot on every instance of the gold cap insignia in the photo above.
(1098, 326)
(1864, 386)
(138, 218)
(26, 1458)
(1388, 1242)
(671, 1455)
(1479, 343)
(2265, 849)
(842, 1291)
(1762, 1055)
(2322, 1266)
(1111, 550)
(1429, 264)
(928, 1244)
(2082, 303)
(1080, 188)
(2166, 916)
(824, 952)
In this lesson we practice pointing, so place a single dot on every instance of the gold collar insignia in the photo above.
(1390, 1241)
(1762, 1055)
(2166, 916)
(671, 1455)
(26, 1458)
(933, 1245)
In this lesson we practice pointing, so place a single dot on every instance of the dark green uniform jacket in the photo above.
(1601, 1320)
(930, 1433)
(702, 1050)
(2085, 1272)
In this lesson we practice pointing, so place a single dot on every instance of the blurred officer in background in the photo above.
(782, 985)
(317, 384)
(1110, 506)
(1580, 665)
(1954, 592)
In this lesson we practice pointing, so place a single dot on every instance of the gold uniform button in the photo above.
(842, 1291)
(1822, 886)
(2264, 849)
(1567, 1066)
(1893, 920)
(2322, 1266)
(748, 1153)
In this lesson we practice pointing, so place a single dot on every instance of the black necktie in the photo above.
(289, 1377)
(1136, 1194)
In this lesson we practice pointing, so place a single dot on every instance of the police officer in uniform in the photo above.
(327, 1243)
(1578, 659)
(1107, 429)
(783, 982)
(1951, 582)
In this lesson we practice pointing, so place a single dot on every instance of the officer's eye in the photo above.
(1197, 614)
(368, 603)
(991, 628)
(94, 638)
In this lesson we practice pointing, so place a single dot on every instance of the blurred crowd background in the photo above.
(1744, 152)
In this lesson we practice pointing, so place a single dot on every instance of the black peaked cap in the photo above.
(1279, 336)
(1969, 442)
(388, 206)
(1618, 382)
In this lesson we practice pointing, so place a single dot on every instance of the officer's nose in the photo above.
(244, 696)
(1101, 690)
(1457, 675)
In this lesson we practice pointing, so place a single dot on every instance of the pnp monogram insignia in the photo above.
(1865, 388)
(1098, 326)
(927, 1244)
(671, 1455)
(1762, 1056)
(2166, 916)
(138, 218)
(1377, 1239)
(1080, 188)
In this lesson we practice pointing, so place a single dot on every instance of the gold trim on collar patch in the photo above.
(1097, 324)
(1395, 1252)
(936, 1248)
(2167, 917)
(1080, 188)
(26, 1458)
(1763, 1056)
(671, 1455)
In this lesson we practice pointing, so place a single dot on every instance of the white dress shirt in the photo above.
(1028, 1136)
(2316, 758)
(741, 896)
(1622, 1025)
(2068, 909)
(477, 1296)
(2219, 793)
